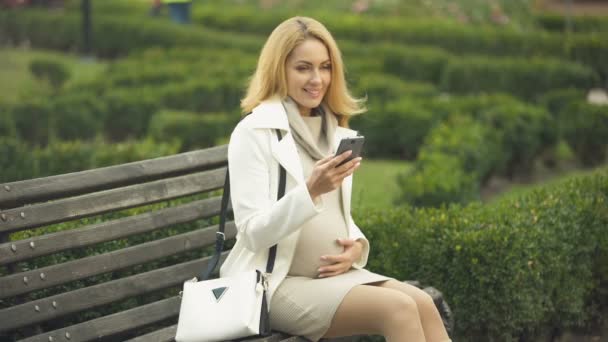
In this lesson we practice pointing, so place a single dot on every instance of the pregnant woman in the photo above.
(298, 107)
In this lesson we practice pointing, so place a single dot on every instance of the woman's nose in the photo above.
(315, 77)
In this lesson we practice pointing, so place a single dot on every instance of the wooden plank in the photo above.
(15, 194)
(56, 242)
(93, 296)
(116, 323)
(162, 335)
(54, 275)
(110, 200)
(168, 335)
(275, 337)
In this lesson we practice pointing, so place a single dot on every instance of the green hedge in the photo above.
(585, 128)
(34, 121)
(78, 116)
(482, 136)
(456, 157)
(396, 130)
(50, 69)
(81, 115)
(413, 63)
(114, 35)
(556, 100)
(449, 35)
(21, 161)
(525, 78)
(453, 37)
(128, 113)
(509, 270)
(7, 123)
(558, 23)
(191, 129)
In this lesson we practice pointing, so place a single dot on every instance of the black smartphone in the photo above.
(354, 143)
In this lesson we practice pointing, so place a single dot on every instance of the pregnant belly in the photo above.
(316, 240)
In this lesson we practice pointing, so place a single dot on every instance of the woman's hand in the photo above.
(326, 177)
(341, 263)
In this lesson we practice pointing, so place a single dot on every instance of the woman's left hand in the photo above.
(341, 263)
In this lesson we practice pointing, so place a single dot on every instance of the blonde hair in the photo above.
(269, 77)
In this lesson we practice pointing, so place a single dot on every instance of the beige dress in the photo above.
(304, 304)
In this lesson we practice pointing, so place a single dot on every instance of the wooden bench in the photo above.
(102, 254)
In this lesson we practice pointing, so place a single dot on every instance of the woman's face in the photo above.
(308, 72)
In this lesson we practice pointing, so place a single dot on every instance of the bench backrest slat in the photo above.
(46, 277)
(15, 251)
(42, 189)
(116, 323)
(101, 294)
(110, 200)
(93, 243)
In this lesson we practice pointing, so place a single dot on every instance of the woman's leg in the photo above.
(377, 310)
(434, 330)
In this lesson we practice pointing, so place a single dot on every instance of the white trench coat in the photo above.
(254, 155)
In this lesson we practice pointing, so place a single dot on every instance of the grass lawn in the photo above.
(374, 183)
(14, 66)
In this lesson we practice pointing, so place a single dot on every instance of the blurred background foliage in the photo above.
(499, 101)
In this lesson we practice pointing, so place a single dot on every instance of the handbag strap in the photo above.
(220, 237)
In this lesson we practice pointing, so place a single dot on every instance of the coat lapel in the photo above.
(271, 114)
(286, 154)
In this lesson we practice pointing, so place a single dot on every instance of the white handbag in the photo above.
(230, 307)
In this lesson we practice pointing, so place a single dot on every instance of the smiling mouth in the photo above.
(314, 93)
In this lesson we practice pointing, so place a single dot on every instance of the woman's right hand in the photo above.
(326, 177)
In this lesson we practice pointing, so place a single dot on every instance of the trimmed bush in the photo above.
(585, 128)
(502, 267)
(7, 124)
(555, 101)
(436, 179)
(456, 157)
(16, 162)
(50, 69)
(525, 78)
(33, 119)
(383, 88)
(114, 35)
(78, 116)
(476, 145)
(128, 113)
(191, 129)
(397, 131)
(524, 130)
(21, 162)
(591, 50)
(414, 63)
(558, 23)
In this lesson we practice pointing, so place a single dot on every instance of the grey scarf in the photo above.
(301, 133)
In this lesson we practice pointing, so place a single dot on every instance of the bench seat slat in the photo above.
(106, 231)
(110, 200)
(86, 267)
(113, 324)
(97, 295)
(71, 184)
(167, 334)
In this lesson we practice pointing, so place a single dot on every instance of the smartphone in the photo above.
(354, 143)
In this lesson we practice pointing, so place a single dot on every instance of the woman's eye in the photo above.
(327, 67)
(302, 68)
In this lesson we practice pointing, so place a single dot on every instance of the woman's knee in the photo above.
(424, 301)
(402, 311)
